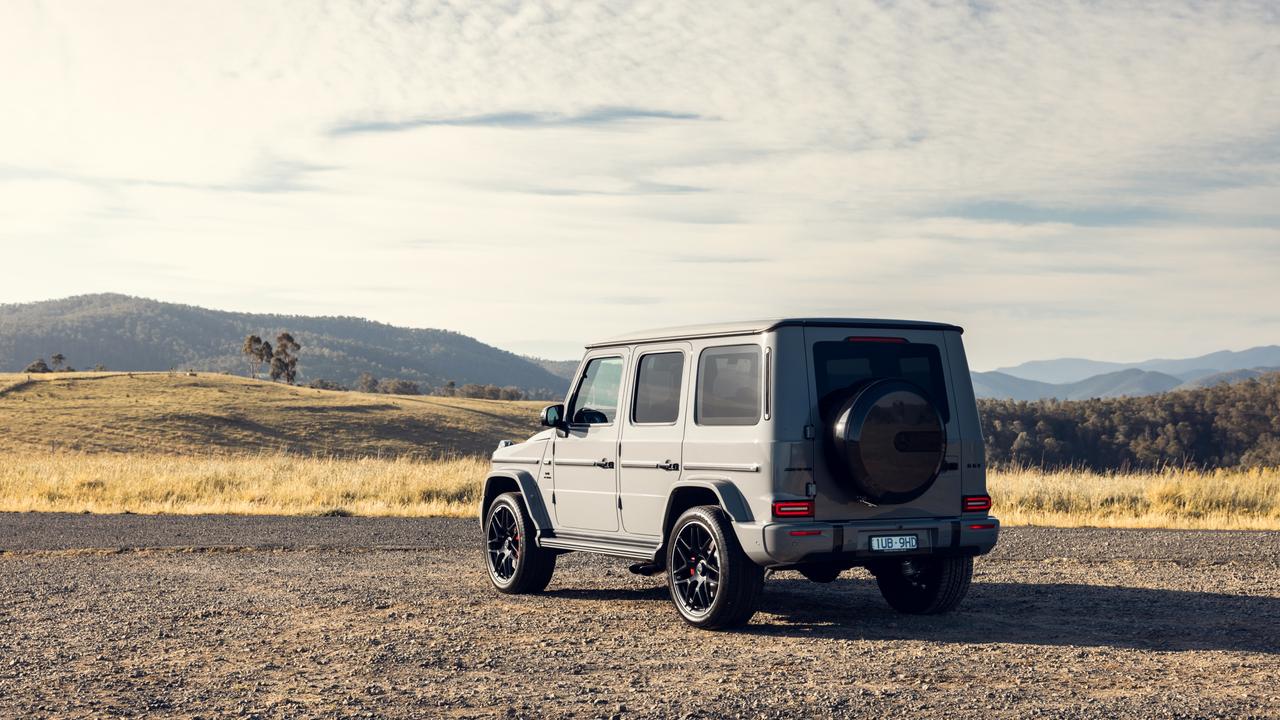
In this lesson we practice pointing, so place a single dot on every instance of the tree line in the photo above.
(1228, 425)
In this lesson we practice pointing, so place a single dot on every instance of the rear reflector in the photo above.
(983, 526)
(874, 339)
(975, 503)
(804, 533)
(793, 508)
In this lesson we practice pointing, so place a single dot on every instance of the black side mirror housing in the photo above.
(553, 416)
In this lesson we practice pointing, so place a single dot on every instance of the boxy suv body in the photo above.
(713, 453)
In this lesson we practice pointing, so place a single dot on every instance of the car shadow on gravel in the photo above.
(1030, 613)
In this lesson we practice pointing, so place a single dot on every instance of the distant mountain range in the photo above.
(1080, 379)
(129, 333)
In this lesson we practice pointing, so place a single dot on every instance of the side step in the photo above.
(634, 551)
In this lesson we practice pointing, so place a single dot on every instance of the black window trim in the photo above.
(697, 386)
(573, 396)
(635, 389)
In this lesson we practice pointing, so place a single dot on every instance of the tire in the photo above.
(820, 573)
(925, 586)
(515, 562)
(713, 584)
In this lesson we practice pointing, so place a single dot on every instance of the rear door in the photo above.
(843, 357)
(652, 435)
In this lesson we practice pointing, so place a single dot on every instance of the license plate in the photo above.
(893, 543)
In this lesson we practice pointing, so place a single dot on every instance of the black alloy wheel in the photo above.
(695, 571)
(713, 583)
(515, 562)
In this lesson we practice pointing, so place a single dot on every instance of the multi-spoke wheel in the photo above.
(516, 563)
(695, 568)
(924, 586)
(713, 583)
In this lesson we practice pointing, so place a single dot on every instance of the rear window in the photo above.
(658, 388)
(840, 366)
(729, 386)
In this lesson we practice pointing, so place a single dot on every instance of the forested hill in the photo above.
(128, 333)
(1224, 425)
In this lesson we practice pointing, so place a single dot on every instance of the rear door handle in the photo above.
(604, 463)
(669, 466)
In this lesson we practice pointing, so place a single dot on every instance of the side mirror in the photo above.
(553, 416)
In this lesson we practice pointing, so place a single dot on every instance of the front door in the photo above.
(652, 436)
(585, 460)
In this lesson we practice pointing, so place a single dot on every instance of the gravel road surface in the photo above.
(270, 617)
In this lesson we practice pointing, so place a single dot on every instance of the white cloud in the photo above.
(1063, 178)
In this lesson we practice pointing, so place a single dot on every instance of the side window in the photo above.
(729, 386)
(658, 381)
(596, 402)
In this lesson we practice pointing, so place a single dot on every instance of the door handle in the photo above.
(669, 466)
(604, 463)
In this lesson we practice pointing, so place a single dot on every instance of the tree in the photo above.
(450, 389)
(252, 349)
(38, 366)
(284, 362)
(322, 384)
(56, 360)
(399, 387)
(367, 383)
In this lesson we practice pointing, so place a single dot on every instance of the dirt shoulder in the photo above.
(393, 618)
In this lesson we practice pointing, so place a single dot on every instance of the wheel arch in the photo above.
(704, 491)
(522, 483)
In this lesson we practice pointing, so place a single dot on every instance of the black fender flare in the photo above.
(731, 499)
(529, 491)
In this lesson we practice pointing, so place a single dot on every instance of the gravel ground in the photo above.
(359, 617)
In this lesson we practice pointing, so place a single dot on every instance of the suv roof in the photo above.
(752, 327)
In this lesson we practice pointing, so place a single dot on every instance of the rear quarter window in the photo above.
(728, 386)
(840, 366)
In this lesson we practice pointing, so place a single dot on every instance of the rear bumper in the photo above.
(792, 543)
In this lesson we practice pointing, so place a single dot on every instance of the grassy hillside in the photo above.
(128, 333)
(180, 414)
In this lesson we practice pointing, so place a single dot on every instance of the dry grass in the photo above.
(1171, 498)
(181, 414)
(292, 485)
(244, 485)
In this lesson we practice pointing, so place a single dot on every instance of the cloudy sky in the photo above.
(1096, 179)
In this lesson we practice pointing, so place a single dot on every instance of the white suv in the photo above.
(712, 453)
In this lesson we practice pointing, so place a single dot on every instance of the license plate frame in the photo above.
(894, 543)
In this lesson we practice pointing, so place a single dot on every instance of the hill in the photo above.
(1123, 383)
(128, 333)
(1224, 425)
(1069, 370)
(180, 414)
(1231, 376)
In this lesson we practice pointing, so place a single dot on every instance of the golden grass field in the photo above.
(160, 443)
(181, 414)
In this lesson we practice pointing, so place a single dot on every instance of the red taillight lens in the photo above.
(793, 508)
(983, 526)
(872, 338)
(804, 533)
(975, 503)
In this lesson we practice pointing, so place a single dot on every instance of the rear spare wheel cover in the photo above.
(888, 441)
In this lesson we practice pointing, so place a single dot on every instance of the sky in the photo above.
(1096, 179)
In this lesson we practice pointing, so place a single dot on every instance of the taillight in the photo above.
(983, 526)
(975, 503)
(804, 533)
(793, 508)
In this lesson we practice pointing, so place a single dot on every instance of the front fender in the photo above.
(500, 481)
